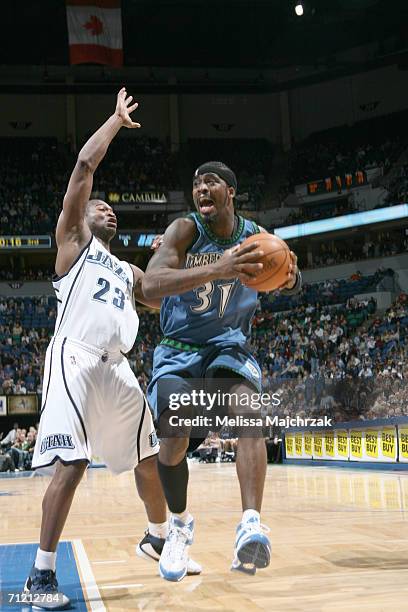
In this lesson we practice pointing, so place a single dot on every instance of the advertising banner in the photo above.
(290, 445)
(329, 445)
(374, 444)
(403, 445)
(318, 445)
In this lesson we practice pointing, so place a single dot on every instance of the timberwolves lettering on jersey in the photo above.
(219, 311)
(95, 300)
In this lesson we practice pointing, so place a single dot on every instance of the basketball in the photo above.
(276, 260)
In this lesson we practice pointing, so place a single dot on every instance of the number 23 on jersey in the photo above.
(104, 295)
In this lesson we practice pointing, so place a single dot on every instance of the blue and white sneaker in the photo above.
(252, 547)
(151, 548)
(41, 591)
(173, 564)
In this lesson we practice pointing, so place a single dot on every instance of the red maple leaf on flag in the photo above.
(94, 25)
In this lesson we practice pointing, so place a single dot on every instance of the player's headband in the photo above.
(218, 168)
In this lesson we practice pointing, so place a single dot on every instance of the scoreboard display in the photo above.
(128, 239)
(132, 239)
(338, 183)
(9, 243)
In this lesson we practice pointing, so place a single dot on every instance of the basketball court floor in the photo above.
(339, 539)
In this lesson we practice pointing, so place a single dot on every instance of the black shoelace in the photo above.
(48, 580)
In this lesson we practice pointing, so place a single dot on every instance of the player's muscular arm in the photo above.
(164, 275)
(71, 223)
(138, 275)
(72, 232)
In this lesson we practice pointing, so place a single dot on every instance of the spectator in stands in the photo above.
(10, 438)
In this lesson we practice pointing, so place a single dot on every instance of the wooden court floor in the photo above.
(339, 538)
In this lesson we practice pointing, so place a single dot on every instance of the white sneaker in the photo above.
(151, 548)
(252, 547)
(41, 589)
(173, 563)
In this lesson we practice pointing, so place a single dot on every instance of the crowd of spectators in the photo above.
(138, 164)
(318, 160)
(331, 292)
(34, 174)
(324, 350)
(324, 210)
(17, 448)
(39, 273)
(32, 180)
(26, 326)
(352, 366)
(398, 189)
(374, 143)
(383, 244)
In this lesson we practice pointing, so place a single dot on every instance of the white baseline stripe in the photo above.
(121, 586)
(92, 591)
(102, 562)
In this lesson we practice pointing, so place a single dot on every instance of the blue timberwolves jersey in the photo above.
(219, 311)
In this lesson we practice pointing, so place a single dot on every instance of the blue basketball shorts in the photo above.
(184, 362)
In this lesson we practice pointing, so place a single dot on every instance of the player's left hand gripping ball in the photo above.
(292, 272)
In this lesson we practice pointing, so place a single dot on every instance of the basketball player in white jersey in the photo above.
(92, 403)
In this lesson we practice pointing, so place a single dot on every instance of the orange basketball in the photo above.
(276, 261)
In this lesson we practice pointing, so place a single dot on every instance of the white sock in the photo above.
(158, 530)
(185, 516)
(45, 560)
(251, 514)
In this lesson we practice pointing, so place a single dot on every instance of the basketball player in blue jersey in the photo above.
(91, 401)
(206, 313)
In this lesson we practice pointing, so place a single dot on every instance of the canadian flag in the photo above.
(95, 32)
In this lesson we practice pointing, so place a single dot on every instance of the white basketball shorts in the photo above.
(92, 405)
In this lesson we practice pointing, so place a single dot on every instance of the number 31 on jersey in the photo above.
(205, 294)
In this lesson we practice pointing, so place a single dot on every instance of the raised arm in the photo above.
(72, 232)
(164, 275)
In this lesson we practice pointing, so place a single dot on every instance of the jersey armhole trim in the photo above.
(196, 237)
(255, 227)
(56, 278)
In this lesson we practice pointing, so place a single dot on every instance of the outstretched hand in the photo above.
(124, 108)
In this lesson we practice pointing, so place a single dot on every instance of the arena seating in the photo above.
(371, 143)
(34, 177)
(323, 349)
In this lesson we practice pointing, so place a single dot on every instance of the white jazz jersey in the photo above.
(95, 300)
(92, 404)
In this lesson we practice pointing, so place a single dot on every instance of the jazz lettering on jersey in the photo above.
(105, 260)
(56, 441)
(194, 260)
